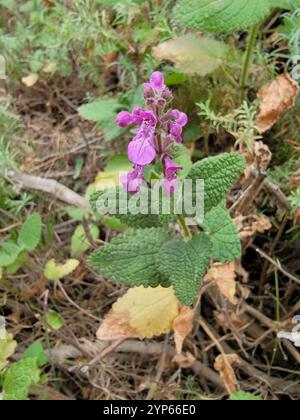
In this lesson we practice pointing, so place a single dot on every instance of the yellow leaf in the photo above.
(54, 271)
(7, 344)
(30, 80)
(142, 313)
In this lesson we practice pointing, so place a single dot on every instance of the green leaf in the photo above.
(131, 258)
(77, 214)
(31, 232)
(104, 112)
(19, 262)
(219, 173)
(193, 54)
(285, 4)
(54, 320)
(220, 15)
(80, 242)
(19, 378)
(9, 4)
(142, 219)
(36, 351)
(9, 253)
(99, 111)
(181, 156)
(223, 233)
(185, 264)
(243, 396)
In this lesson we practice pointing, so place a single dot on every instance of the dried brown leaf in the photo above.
(116, 327)
(184, 361)
(182, 326)
(249, 225)
(224, 365)
(276, 97)
(224, 276)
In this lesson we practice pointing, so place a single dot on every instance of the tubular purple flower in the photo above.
(133, 180)
(141, 150)
(171, 171)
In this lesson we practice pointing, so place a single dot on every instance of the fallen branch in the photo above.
(49, 186)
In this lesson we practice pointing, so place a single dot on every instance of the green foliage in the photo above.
(142, 219)
(244, 396)
(7, 347)
(294, 199)
(36, 351)
(13, 253)
(9, 253)
(19, 378)
(104, 112)
(131, 258)
(54, 320)
(220, 15)
(219, 173)
(185, 264)
(30, 234)
(223, 233)
(80, 242)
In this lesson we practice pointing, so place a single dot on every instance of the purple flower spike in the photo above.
(171, 171)
(124, 119)
(133, 180)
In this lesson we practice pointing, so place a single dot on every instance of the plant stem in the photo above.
(184, 226)
(247, 62)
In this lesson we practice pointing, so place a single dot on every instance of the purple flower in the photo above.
(124, 119)
(171, 171)
(141, 150)
(133, 180)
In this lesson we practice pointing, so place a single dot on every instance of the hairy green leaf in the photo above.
(220, 15)
(131, 258)
(31, 232)
(185, 264)
(142, 219)
(9, 253)
(223, 233)
(104, 112)
(219, 173)
(19, 378)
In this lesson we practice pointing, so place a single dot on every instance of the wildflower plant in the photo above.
(152, 253)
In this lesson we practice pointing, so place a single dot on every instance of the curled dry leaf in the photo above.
(224, 275)
(249, 225)
(224, 365)
(182, 326)
(276, 97)
(141, 313)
